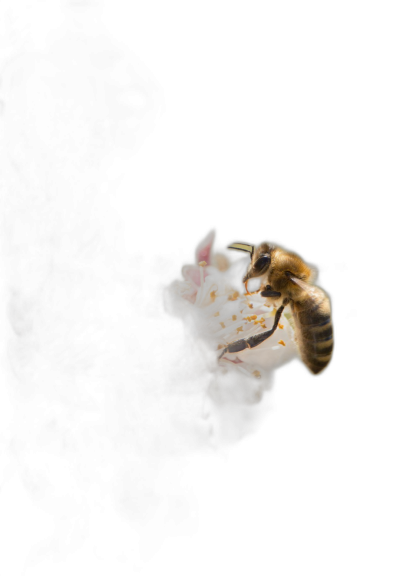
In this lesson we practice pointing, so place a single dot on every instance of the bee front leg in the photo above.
(257, 339)
(267, 292)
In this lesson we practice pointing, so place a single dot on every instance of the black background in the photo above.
(259, 140)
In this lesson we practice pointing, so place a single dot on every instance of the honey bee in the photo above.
(287, 279)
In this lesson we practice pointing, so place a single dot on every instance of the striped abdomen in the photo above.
(314, 332)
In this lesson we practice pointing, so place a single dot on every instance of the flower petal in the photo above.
(193, 274)
(203, 250)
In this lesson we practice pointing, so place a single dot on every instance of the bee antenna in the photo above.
(242, 247)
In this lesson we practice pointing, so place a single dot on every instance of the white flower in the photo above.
(211, 299)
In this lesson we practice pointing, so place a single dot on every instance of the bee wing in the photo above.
(308, 288)
(299, 282)
(314, 273)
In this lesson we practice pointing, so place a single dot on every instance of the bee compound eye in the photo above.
(262, 262)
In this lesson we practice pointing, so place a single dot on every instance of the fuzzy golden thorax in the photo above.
(277, 272)
(285, 265)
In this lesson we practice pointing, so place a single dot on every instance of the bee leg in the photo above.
(269, 293)
(253, 341)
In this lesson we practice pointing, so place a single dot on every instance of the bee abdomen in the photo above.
(314, 333)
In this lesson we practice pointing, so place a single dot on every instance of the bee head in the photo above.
(260, 259)
(260, 262)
